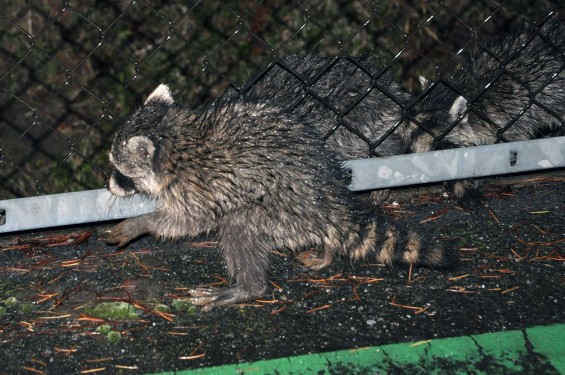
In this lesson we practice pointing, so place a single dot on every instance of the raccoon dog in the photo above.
(513, 91)
(261, 179)
(356, 108)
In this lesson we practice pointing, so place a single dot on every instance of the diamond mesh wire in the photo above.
(72, 71)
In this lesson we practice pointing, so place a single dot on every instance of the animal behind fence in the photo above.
(513, 91)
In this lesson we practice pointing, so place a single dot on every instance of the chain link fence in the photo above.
(72, 71)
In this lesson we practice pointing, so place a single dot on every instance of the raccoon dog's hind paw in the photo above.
(210, 297)
(313, 261)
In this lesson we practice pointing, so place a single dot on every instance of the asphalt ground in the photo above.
(71, 304)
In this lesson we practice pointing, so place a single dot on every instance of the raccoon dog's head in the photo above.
(135, 150)
(441, 107)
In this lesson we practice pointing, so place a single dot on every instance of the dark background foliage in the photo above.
(72, 71)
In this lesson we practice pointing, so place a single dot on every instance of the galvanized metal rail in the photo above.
(456, 164)
(99, 205)
(69, 208)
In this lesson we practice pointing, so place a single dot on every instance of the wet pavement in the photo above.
(60, 291)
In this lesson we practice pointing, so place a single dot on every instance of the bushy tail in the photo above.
(390, 243)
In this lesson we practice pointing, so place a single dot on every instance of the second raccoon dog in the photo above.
(258, 177)
(358, 109)
(513, 92)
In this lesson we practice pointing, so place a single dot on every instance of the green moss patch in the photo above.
(113, 310)
(183, 305)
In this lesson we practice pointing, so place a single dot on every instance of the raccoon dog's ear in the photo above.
(162, 94)
(424, 82)
(141, 147)
(457, 108)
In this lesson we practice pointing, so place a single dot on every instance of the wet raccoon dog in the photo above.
(513, 91)
(261, 179)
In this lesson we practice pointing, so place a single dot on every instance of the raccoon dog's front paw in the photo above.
(379, 197)
(472, 200)
(123, 232)
(467, 193)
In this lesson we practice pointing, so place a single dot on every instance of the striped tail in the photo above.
(389, 243)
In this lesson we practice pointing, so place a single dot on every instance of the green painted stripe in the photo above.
(550, 342)
(534, 350)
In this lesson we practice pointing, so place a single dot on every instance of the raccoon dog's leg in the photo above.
(467, 193)
(378, 197)
(160, 224)
(246, 252)
(128, 230)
